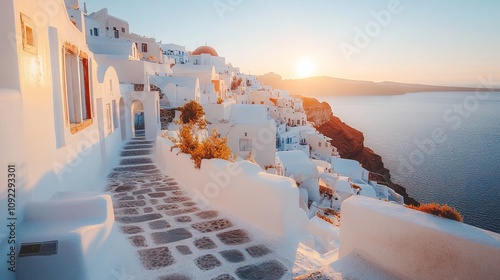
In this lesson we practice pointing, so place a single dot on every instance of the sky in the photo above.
(446, 42)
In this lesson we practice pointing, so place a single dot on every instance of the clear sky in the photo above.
(447, 42)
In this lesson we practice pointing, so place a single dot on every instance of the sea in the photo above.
(442, 147)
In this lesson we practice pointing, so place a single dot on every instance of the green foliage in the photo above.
(435, 209)
(192, 113)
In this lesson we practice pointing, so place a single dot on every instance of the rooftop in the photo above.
(205, 50)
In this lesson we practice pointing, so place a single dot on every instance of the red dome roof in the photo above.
(205, 49)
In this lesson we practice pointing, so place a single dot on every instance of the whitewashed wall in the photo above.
(268, 202)
(415, 245)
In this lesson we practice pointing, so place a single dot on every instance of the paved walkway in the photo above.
(177, 239)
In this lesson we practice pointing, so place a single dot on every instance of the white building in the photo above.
(64, 117)
(176, 52)
(249, 131)
(177, 91)
(206, 55)
(299, 167)
(105, 25)
(209, 80)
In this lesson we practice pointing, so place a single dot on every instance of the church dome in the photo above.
(205, 49)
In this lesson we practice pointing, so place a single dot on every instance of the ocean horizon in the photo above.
(441, 146)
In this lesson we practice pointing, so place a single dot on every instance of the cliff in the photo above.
(350, 143)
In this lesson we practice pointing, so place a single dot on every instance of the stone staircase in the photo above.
(175, 237)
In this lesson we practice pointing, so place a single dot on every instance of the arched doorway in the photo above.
(137, 113)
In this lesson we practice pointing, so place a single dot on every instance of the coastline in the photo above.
(350, 144)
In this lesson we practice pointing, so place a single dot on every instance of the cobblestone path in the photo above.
(176, 238)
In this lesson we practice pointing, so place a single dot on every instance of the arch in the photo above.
(137, 113)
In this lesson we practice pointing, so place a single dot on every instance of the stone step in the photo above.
(136, 168)
(133, 153)
(140, 142)
(136, 147)
(166, 227)
(136, 161)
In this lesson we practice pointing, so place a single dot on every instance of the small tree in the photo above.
(192, 113)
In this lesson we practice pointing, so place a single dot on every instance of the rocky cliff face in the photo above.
(350, 143)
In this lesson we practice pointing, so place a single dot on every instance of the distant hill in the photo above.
(321, 86)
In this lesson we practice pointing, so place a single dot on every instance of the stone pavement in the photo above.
(177, 238)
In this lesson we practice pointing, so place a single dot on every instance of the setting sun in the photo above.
(304, 68)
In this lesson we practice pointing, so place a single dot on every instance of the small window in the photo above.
(319, 144)
(144, 47)
(91, 32)
(245, 145)
(28, 32)
(123, 29)
(117, 33)
(110, 87)
(96, 31)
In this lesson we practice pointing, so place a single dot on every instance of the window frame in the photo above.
(245, 145)
(27, 24)
(76, 89)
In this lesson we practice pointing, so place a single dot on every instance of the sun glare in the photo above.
(304, 68)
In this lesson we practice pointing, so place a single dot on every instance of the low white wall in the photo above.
(415, 245)
(268, 202)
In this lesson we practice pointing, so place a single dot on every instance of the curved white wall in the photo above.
(415, 245)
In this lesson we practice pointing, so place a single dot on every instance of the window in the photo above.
(319, 144)
(245, 145)
(144, 47)
(91, 32)
(108, 118)
(78, 113)
(123, 29)
(115, 114)
(116, 32)
(96, 31)
(28, 32)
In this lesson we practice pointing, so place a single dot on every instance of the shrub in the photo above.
(212, 147)
(435, 209)
(220, 100)
(191, 120)
(187, 141)
(325, 218)
(192, 113)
